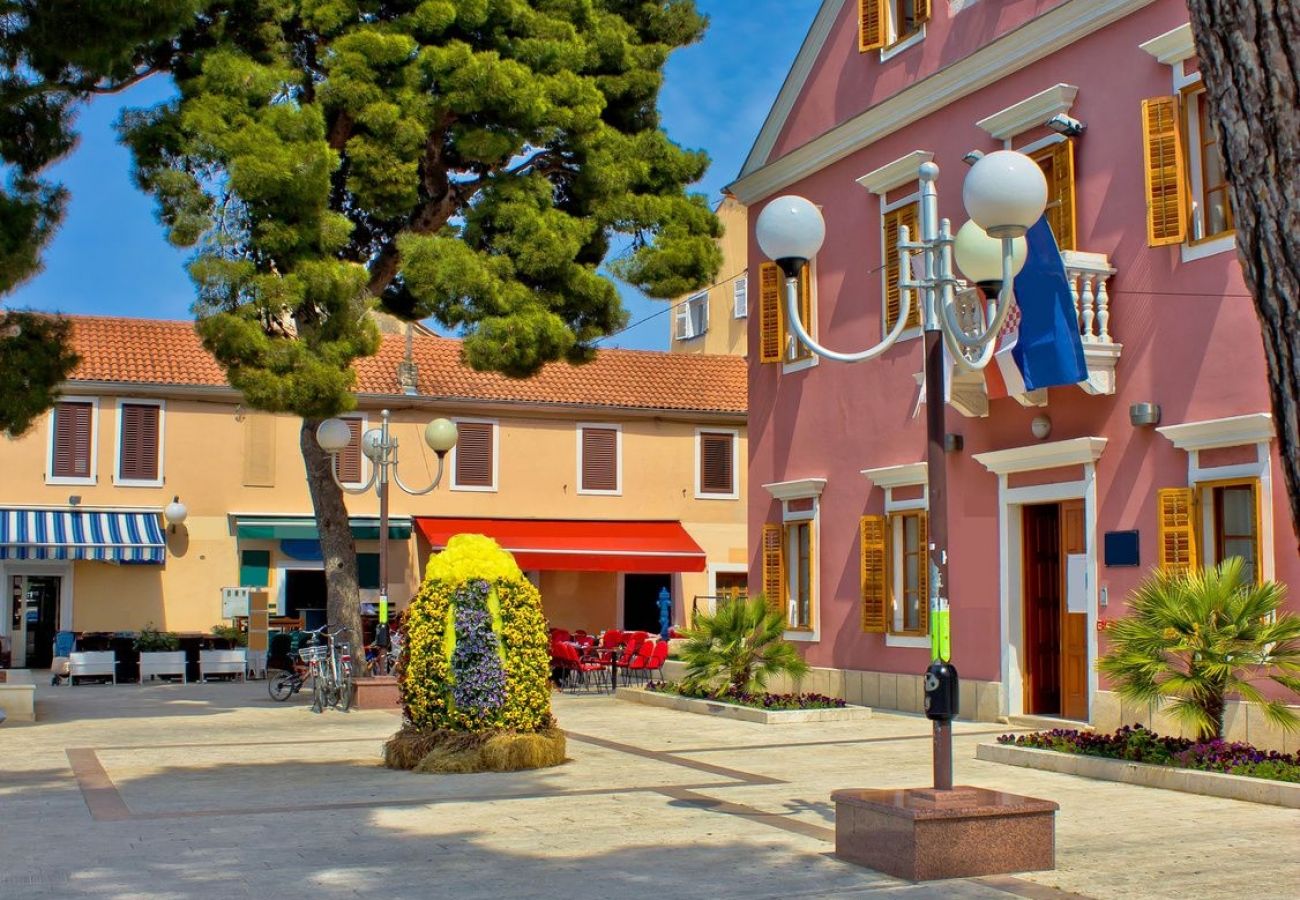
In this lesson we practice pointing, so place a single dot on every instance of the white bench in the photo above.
(87, 663)
(162, 662)
(223, 662)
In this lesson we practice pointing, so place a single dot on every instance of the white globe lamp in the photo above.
(979, 257)
(372, 444)
(1005, 193)
(175, 513)
(440, 435)
(333, 435)
(790, 231)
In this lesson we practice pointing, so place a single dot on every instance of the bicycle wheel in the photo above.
(318, 692)
(347, 689)
(279, 685)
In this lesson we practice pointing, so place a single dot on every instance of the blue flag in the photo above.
(1049, 351)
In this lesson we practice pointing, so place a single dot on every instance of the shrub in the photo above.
(232, 633)
(1192, 639)
(738, 648)
(151, 640)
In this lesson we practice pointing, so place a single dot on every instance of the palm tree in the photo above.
(739, 647)
(1195, 638)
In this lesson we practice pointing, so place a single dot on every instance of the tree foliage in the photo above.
(739, 647)
(1192, 639)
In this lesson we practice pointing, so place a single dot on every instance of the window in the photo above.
(1235, 517)
(789, 557)
(598, 459)
(715, 465)
(474, 464)
(884, 23)
(1211, 204)
(740, 297)
(693, 317)
(72, 441)
(777, 342)
(139, 442)
(1208, 524)
(1057, 163)
(896, 573)
(1187, 191)
(798, 543)
(347, 463)
(891, 220)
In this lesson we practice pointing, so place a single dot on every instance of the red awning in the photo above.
(579, 546)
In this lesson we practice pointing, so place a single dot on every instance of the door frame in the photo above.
(11, 567)
(285, 565)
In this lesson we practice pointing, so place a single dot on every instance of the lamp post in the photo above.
(1004, 194)
(380, 447)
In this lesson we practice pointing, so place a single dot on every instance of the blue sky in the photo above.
(110, 256)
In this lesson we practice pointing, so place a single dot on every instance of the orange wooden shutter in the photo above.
(1166, 183)
(599, 459)
(473, 454)
(716, 470)
(875, 573)
(771, 324)
(774, 567)
(871, 25)
(1057, 163)
(921, 12)
(895, 219)
(1176, 511)
(347, 464)
(923, 571)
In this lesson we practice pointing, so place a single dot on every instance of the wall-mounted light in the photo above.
(1066, 125)
(972, 157)
(953, 443)
(175, 513)
(74, 499)
(1041, 426)
(1143, 414)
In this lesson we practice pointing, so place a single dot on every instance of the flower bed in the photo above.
(1135, 743)
(754, 701)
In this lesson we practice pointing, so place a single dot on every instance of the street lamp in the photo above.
(1004, 194)
(380, 447)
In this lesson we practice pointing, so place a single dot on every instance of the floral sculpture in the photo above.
(475, 668)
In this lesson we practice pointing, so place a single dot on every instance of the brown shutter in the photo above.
(1166, 186)
(771, 327)
(599, 459)
(923, 572)
(871, 25)
(1057, 163)
(894, 219)
(875, 573)
(717, 475)
(474, 454)
(138, 443)
(774, 567)
(347, 464)
(1176, 535)
(259, 450)
(921, 11)
(72, 440)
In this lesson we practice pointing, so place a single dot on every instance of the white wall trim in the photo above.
(1222, 244)
(735, 464)
(117, 443)
(1262, 470)
(284, 565)
(1005, 124)
(50, 477)
(1230, 431)
(618, 459)
(905, 475)
(1037, 39)
(798, 489)
(895, 174)
(1173, 46)
(1051, 455)
(496, 457)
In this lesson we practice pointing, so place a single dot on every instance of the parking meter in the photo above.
(941, 691)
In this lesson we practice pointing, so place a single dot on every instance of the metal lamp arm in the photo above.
(370, 482)
(437, 478)
(792, 315)
(1006, 296)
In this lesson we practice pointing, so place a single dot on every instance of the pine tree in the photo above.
(471, 161)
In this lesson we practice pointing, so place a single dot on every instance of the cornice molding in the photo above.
(1210, 434)
(1030, 112)
(898, 476)
(895, 174)
(1172, 46)
(1076, 451)
(798, 489)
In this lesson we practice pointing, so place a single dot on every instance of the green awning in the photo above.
(276, 528)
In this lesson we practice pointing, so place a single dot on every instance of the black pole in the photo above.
(937, 478)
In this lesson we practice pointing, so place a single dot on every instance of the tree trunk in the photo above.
(1250, 61)
(338, 550)
(1215, 707)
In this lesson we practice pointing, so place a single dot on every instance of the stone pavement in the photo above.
(195, 791)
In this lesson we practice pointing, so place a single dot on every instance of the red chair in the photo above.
(568, 655)
(611, 639)
(657, 657)
(640, 664)
(559, 634)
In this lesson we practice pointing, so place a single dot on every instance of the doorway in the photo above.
(641, 601)
(1055, 638)
(35, 620)
(305, 596)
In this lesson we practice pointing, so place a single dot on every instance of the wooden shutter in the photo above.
(893, 220)
(921, 12)
(717, 474)
(1176, 512)
(875, 573)
(872, 19)
(1057, 163)
(774, 567)
(138, 443)
(798, 349)
(771, 321)
(347, 464)
(600, 459)
(72, 439)
(1166, 178)
(923, 572)
(259, 450)
(474, 454)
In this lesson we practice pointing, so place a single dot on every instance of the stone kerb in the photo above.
(743, 713)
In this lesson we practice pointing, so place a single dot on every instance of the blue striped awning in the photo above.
(105, 535)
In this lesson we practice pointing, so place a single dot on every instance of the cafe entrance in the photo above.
(35, 607)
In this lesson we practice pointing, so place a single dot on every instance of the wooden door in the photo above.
(1074, 627)
(1042, 611)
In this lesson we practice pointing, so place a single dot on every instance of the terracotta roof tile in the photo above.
(152, 351)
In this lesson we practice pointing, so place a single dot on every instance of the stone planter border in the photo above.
(1189, 781)
(743, 713)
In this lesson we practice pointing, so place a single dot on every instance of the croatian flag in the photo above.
(1042, 348)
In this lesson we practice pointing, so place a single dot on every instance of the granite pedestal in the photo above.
(924, 834)
(377, 692)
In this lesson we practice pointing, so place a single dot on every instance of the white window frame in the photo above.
(364, 469)
(496, 458)
(740, 296)
(802, 489)
(685, 326)
(788, 365)
(117, 444)
(50, 477)
(893, 46)
(735, 464)
(618, 459)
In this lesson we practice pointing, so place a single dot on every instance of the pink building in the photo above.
(1061, 501)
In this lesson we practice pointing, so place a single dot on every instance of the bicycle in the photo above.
(283, 685)
(332, 685)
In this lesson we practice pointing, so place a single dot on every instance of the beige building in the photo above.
(715, 320)
(610, 481)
